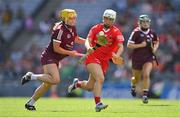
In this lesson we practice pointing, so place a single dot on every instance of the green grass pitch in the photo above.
(66, 107)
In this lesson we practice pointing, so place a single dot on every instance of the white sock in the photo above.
(33, 77)
(31, 102)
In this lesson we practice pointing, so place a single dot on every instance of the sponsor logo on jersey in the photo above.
(142, 35)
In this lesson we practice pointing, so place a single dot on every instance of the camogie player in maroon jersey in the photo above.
(62, 41)
(144, 43)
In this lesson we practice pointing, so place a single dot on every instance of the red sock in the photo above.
(54, 94)
(97, 99)
(78, 85)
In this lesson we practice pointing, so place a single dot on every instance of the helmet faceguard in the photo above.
(144, 19)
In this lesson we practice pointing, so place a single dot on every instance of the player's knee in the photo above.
(90, 89)
(136, 78)
(56, 81)
(145, 76)
(100, 80)
(46, 85)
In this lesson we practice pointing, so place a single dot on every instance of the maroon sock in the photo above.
(97, 99)
(78, 84)
(145, 93)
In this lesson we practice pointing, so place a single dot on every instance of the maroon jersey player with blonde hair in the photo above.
(62, 41)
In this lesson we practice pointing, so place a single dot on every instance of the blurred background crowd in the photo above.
(25, 29)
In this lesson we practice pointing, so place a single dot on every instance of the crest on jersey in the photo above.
(101, 33)
(68, 36)
(73, 33)
(110, 37)
(142, 35)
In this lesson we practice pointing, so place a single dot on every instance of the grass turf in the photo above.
(66, 107)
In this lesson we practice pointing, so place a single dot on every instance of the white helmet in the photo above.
(110, 14)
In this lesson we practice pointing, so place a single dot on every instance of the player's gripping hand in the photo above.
(90, 50)
(143, 44)
(150, 46)
(117, 60)
(74, 53)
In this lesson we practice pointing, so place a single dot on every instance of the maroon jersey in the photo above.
(142, 55)
(64, 37)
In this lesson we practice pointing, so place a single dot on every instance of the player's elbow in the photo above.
(87, 45)
(121, 47)
(55, 81)
(129, 45)
(80, 40)
(55, 47)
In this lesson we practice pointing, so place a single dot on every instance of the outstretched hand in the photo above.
(117, 60)
(76, 54)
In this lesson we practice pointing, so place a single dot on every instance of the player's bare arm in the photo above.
(80, 40)
(134, 46)
(60, 50)
(88, 47)
(120, 50)
(155, 46)
(116, 57)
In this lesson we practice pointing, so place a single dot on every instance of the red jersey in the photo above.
(113, 36)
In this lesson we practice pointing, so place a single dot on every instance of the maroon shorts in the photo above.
(47, 58)
(138, 64)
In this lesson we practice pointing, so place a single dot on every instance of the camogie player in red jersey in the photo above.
(62, 41)
(97, 60)
(144, 43)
